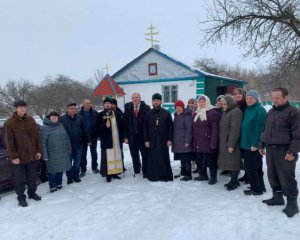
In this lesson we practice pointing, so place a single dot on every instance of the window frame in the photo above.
(170, 93)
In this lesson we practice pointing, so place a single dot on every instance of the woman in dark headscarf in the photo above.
(229, 137)
(239, 95)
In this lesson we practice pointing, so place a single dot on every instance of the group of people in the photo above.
(231, 136)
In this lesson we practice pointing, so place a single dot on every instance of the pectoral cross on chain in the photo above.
(156, 121)
(107, 118)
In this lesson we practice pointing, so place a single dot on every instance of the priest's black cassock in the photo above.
(158, 129)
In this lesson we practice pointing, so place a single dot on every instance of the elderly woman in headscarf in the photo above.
(206, 139)
(230, 129)
(239, 95)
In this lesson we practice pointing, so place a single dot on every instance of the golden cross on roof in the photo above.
(106, 68)
(151, 34)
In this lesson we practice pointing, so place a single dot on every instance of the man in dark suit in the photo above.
(134, 116)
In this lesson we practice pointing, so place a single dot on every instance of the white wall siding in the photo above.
(165, 69)
(186, 90)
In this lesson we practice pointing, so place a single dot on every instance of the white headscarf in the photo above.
(201, 112)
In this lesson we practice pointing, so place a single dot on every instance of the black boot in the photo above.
(291, 207)
(70, 180)
(201, 178)
(233, 184)
(186, 178)
(22, 201)
(212, 181)
(116, 177)
(277, 199)
(108, 178)
(34, 196)
(76, 179)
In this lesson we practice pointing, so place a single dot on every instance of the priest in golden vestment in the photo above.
(109, 127)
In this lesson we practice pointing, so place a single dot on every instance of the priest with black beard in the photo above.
(158, 135)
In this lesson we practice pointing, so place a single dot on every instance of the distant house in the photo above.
(154, 71)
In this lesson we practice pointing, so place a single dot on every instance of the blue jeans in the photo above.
(55, 179)
(75, 161)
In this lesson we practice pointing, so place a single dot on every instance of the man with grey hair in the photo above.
(134, 115)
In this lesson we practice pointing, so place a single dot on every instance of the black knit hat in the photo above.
(107, 99)
(114, 101)
(20, 103)
(53, 113)
(156, 96)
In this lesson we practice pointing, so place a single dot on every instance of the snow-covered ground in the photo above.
(134, 208)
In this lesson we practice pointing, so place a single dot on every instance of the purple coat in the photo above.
(182, 132)
(206, 133)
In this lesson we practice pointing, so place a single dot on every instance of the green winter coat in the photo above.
(56, 147)
(252, 126)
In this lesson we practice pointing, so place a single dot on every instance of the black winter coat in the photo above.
(133, 127)
(282, 128)
(93, 113)
(75, 129)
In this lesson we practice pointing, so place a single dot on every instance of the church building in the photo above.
(154, 71)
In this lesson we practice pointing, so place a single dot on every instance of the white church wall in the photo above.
(186, 90)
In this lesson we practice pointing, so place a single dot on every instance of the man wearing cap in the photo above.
(109, 127)
(252, 126)
(134, 116)
(77, 131)
(281, 138)
(24, 148)
(158, 135)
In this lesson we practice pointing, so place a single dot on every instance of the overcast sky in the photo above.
(42, 38)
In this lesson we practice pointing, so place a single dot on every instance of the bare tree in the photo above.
(12, 91)
(55, 93)
(264, 79)
(260, 27)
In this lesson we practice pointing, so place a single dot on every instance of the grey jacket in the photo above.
(56, 147)
(229, 132)
(182, 132)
